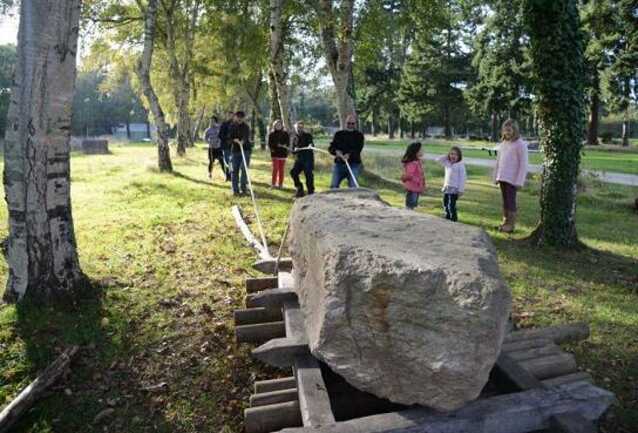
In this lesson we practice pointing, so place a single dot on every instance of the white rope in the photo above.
(354, 179)
(252, 196)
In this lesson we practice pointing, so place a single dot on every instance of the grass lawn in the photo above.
(168, 267)
(611, 159)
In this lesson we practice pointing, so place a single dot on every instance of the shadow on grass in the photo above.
(94, 377)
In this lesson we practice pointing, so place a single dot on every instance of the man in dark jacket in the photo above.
(304, 160)
(240, 140)
(346, 145)
(224, 139)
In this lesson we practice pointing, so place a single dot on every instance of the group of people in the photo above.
(510, 173)
(229, 143)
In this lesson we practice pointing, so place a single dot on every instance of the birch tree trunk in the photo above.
(41, 248)
(338, 47)
(278, 66)
(275, 111)
(144, 74)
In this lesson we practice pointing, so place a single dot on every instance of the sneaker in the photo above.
(210, 175)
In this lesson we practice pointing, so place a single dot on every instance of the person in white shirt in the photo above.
(454, 183)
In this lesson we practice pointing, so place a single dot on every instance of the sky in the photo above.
(8, 29)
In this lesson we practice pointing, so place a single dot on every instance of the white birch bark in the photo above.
(278, 64)
(144, 74)
(41, 247)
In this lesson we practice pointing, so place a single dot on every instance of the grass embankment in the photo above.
(169, 266)
(613, 159)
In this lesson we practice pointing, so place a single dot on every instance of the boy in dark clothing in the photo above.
(304, 160)
(240, 140)
(347, 144)
(224, 139)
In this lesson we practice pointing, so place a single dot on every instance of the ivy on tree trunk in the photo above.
(41, 247)
(556, 49)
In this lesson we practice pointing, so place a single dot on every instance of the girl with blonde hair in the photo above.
(510, 171)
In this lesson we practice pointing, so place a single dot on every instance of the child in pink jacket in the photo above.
(510, 171)
(413, 177)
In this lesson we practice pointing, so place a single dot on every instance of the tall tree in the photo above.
(622, 75)
(179, 26)
(336, 30)
(279, 23)
(144, 75)
(41, 247)
(501, 62)
(556, 49)
(7, 67)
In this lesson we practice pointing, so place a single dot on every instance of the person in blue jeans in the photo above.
(346, 144)
(239, 135)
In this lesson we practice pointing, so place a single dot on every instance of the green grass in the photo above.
(610, 159)
(168, 266)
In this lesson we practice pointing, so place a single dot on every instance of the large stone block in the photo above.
(406, 306)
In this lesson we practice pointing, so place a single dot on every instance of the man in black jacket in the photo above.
(224, 139)
(346, 145)
(304, 160)
(240, 139)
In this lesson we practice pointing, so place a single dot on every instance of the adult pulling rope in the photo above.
(354, 179)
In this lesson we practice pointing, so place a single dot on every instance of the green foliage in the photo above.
(556, 50)
(7, 66)
(501, 62)
(437, 69)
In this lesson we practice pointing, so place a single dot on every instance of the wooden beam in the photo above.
(273, 417)
(261, 249)
(538, 352)
(568, 378)
(258, 284)
(520, 412)
(253, 316)
(11, 414)
(551, 366)
(558, 334)
(262, 386)
(314, 402)
(508, 370)
(259, 333)
(281, 352)
(532, 343)
(572, 422)
(273, 397)
(272, 298)
(268, 265)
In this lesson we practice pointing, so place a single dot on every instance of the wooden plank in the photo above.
(281, 352)
(295, 325)
(272, 298)
(259, 333)
(267, 265)
(258, 284)
(262, 386)
(521, 412)
(253, 316)
(568, 378)
(523, 355)
(551, 366)
(571, 423)
(314, 402)
(532, 343)
(273, 397)
(273, 417)
(558, 334)
(286, 280)
(511, 371)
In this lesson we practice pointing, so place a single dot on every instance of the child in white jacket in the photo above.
(454, 183)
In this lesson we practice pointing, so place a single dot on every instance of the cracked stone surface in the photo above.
(405, 306)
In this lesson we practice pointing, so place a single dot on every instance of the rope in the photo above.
(354, 179)
(252, 196)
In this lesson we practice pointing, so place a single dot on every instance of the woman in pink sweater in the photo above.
(510, 171)
(413, 178)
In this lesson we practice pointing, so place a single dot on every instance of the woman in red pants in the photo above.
(279, 143)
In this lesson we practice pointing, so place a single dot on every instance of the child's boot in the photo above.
(503, 220)
(508, 226)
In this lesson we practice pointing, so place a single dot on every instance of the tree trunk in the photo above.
(275, 111)
(337, 41)
(128, 129)
(447, 130)
(144, 74)
(41, 248)
(592, 128)
(494, 127)
(412, 130)
(557, 59)
(375, 126)
(390, 127)
(278, 67)
(626, 119)
(198, 124)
